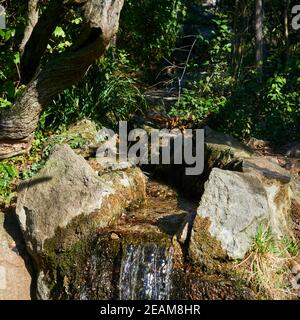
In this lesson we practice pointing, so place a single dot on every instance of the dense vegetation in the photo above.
(207, 55)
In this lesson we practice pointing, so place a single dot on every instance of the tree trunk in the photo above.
(286, 33)
(239, 29)
(32, 19)
(259, 36)
(37, 43)
(17, 124)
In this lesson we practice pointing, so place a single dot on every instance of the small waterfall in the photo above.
(146, 273)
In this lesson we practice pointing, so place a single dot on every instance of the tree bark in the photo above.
(259, 36)
(286, 33)
(37, 43)
(17, 124)
(239, 29)
(32, 19)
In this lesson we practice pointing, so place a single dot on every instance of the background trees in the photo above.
(259, 36)
(238, 60)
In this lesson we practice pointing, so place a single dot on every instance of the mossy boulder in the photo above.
(82, 136)
(92, 266)
(198, 285)
(68, 187)
(61, 207)
(222, 149)
(233, 206)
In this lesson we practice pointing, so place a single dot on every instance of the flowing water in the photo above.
(146, 273)
(146, 269)
(135, 259)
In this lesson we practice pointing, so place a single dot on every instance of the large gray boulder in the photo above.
(66, 188)
(265, 167)
(234, 205)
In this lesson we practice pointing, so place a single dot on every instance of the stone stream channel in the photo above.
(139, 258)
(115, 234)
(136, 258)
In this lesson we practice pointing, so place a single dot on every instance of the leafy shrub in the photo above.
(280, 108)
(206, 96)
(268, 111)
(200, 108)
(9, 52)
(108, 94)
(8, 173)
(242, 106)
(152, 33)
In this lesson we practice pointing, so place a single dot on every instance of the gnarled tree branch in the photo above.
(17, 125)
(37, 43)
(32, 19)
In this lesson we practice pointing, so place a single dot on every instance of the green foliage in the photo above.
(75, 141)
(34, 169)
(64, 35)
(8, 174)
(108, 94)
(269, 111)
(152, 33)
(9, 55)
(59, 41)
(120, 95)
(241, 105)
(234, 102)
(280, 106)
(292, 248)
(206, 96)
(263, 241)
(268, 263)
(200, 108)
(4, 103)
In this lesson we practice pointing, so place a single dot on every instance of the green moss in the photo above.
(206, 251)
(79, 263)
(196, 285)
(219, 156)
(82, 252)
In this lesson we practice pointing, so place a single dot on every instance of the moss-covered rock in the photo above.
(83, 137)
(90, 266)
(66, 188)
(197, 285)
(236, 204)
(222, 149)
(63, 206)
